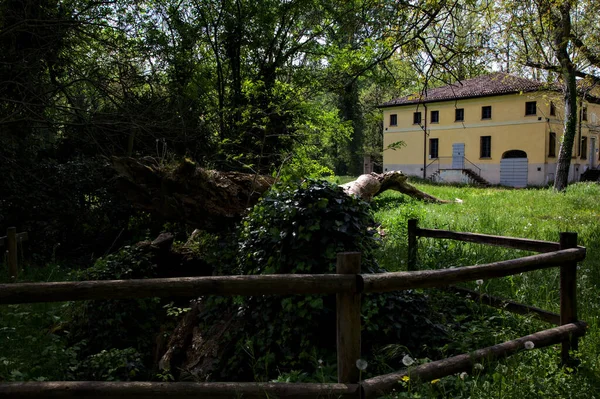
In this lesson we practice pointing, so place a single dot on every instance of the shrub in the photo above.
(128, 326)
(300, 230)
(111, 365)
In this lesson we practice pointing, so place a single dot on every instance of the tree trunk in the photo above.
(566, 146)
(214, 200)
(350, 112)
(373, 184)
(562, 34)
(206, 199)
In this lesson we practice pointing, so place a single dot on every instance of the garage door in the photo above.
(513, 171)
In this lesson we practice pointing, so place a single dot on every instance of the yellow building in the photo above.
(500, 128)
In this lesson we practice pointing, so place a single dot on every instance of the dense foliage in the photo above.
(69, 206)
(300, 229)
(276, 87)
(116, 338)
(270, 87)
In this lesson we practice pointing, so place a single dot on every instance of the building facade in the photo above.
(502, 128)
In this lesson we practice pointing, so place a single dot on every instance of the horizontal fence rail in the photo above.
(348, 285)
(275, 284)
(506, 304)
(499, 241)
(377, 386)
(568, 270)
(175, 390)
(371, 388)
(382, 282)
(19, 237)
(525, 244)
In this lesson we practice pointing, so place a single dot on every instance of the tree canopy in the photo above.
(281, 88)
(560, 39)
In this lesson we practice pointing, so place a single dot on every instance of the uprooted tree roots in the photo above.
(210, 199)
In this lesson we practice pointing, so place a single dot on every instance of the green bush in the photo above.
(31, 345)
(111, 365)
(300, 230)
(126, 328)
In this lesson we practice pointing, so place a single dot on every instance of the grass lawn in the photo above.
(531, 213)
(29, 353)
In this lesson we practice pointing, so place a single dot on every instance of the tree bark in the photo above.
(214, 200)
(350, 112)
(373, 184)
(562, 34)
(207, 199)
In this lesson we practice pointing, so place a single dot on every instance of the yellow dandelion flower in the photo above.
(435, 381)
(406, 378)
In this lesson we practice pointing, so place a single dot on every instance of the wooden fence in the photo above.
(348, 285)
(10, 241)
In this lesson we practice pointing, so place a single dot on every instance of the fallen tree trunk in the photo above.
(370, 185)
(210, 199)
(207, 199)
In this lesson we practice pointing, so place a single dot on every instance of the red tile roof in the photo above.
(487, 85)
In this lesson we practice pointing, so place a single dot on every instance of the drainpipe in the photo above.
(580, 118)
(425, 145)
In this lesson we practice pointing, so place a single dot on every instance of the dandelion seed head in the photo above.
(478, 366)
(479, 282)
(463, 375)
(408, 361)
(529, 345)
(361, 364)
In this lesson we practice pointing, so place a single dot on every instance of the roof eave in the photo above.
(459, 98)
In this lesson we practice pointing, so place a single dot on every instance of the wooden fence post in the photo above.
(412, 244)
(11, 241)
(348, 322)
(568, 294)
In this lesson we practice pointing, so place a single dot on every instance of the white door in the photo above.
(458, 156)
(513, 169)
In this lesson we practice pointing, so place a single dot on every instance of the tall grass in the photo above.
(531, 213)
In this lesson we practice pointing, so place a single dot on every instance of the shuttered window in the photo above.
(485, 150)
(552, 145)
(531, 108)
(486, 112)
(433, 148)
(459, 114)
(417, 118)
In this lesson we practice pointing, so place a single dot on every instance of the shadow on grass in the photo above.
(389, 201)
